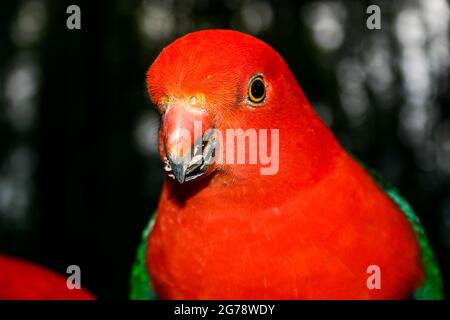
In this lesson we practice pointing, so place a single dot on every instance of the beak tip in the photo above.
(179, 178)
(179, 171)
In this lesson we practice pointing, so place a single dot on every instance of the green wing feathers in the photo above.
(140, 279)
(431, 289)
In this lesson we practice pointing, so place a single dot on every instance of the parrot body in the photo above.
(22, 280)
(310, 231)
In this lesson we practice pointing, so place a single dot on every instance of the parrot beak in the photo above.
(187, 151)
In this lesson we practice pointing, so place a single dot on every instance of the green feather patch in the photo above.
(140, 280)
(432, 288)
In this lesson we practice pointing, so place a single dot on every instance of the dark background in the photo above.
(79, 171)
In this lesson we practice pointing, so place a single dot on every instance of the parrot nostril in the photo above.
(193, 101)
(164, 104)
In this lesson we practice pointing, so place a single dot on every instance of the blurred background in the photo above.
(79, 169)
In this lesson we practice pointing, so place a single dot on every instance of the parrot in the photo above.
(24, 280)
(321, 226)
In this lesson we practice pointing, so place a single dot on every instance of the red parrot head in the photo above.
(209, 81)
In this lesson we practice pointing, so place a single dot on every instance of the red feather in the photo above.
(22, 280)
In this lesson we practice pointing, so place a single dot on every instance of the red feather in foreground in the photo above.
(308, 232)
(23, 280)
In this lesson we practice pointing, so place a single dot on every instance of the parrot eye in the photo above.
(256, 90)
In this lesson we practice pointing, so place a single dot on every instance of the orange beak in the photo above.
(184, 143)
